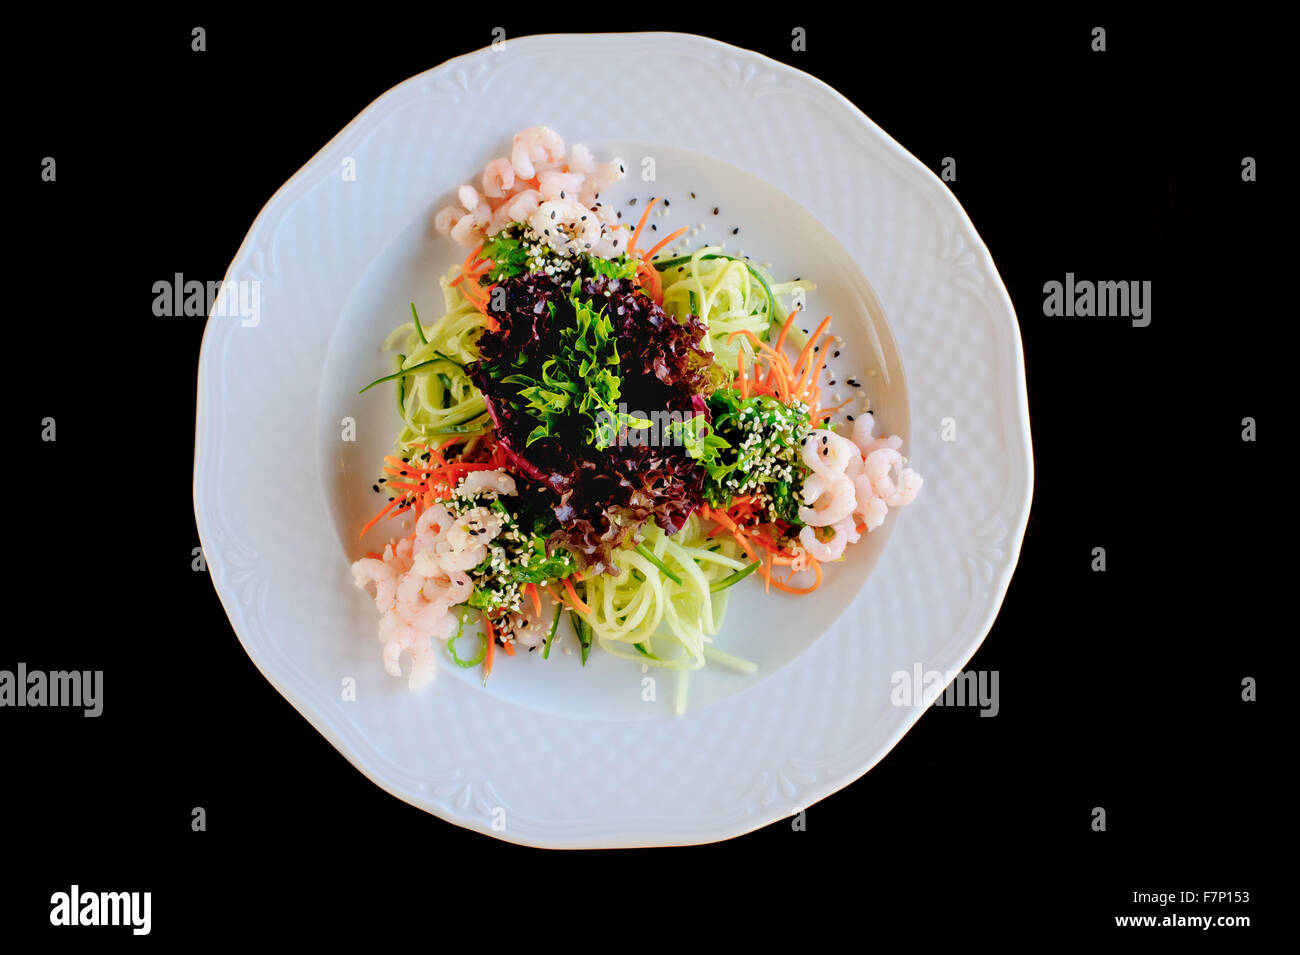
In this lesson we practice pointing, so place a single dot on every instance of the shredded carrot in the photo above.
(573, 596)
(785, 330)
(537, 598)
(650, 281)
(815, 567)
(375, 520)
(468, 265)
(636, 236)
(558, 597)
(807, 352)
(741, 377)
(663, 242)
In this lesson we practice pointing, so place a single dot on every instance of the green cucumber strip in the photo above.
(649, 555)
(419, 329)
(583, 632)
(767, 289)
(401, 374)
(555, 625)
(735, 578)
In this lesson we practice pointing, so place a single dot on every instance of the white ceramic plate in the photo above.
(551, 753)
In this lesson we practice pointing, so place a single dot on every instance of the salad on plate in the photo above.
(608, 436)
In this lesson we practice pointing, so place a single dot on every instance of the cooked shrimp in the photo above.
(834, 502)
(870, 507)
(468, 196)
(537, 144)
(881, 464)
(603, 174)
(430, 526)
(566, 225)
(371, 571)
(613, 242)
(580, 159)
(476, 481)
(554, 184)
(830, 549)
(447, 217)
(522, 205)
(498, 178)
(473, 529)
(464, 230)
(826, 452)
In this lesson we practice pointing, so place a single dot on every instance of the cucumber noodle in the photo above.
(645, 616)
(438, 401)
(730, 295)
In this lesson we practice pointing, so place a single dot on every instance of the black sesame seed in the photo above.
(632, 201)
(736, 231)
(653, 227)
(376, 487)
(849, 416)
(715, 210)
(561, 193)
(667, 203)
(552, 213)
(692, 195)
(836, 355)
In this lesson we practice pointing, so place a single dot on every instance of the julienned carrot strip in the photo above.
(375, 520)
(663, 242)
(808, 348)
(769, 547)
(558, 597)
(636, 236)
(721, 518)
(741, 377)
(651, 282)
(816, 569)
(467, 266)
(820, 364)
(573, 596)
(537, 598)
(757, 342)
(785, 330)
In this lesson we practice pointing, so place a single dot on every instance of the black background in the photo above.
(1119, 689)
